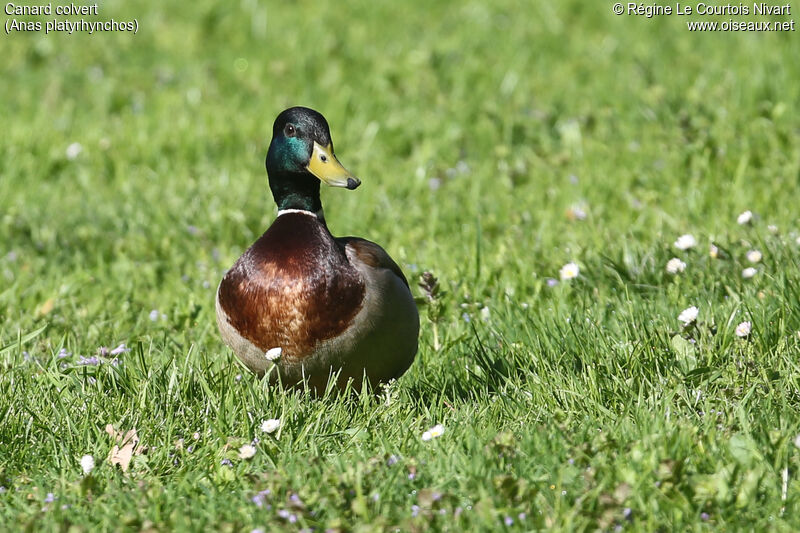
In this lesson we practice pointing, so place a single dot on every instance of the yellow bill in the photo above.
(326, 167)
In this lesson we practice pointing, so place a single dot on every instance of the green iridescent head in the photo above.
(300, 156)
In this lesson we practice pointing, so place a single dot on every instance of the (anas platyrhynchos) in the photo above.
(304, 301)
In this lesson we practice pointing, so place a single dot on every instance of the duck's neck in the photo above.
(295, 191)
(319, 214)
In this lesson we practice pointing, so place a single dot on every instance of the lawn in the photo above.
(496, 144)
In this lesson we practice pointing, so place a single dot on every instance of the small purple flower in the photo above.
(120, 349)
(508, 521)
(115, 362)
(154, 315)
(466, 317)
(226, 462)
(627, 512)
(522, 516)
(457, 512)
(392, 460)
(260, 498)
(704, 517)
(50, 498)
(571, 461)
(295, 499)
(102, 351)
(286, 515)
(414, 510)
(412, 476)
(376, 497)
(257, 530)
(192, 230)
(551, 282)
(436, 496)
(88, 361)
(63, 353)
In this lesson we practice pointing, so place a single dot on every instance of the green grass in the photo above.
(474, 129)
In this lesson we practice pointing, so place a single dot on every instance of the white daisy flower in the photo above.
(688, 315)
(273, 354)
(749, 272)
(754, 256)
(745, 218)
(685, 242)
(713, 251)
(87, 464)
(271, 425)
(73, 151)
(247, 451)
(434, 432)
(576, 212)
(569, 271)
(743, 329)
(675, 266)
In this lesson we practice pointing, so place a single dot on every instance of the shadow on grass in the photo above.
(491, 371)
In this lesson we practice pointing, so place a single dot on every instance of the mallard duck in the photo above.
(301, 304)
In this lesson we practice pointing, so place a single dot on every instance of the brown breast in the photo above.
(292, 288)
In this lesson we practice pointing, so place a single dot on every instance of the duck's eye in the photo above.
(323, 158)
(289, 130)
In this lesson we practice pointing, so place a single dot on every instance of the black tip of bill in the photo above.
(352, 183)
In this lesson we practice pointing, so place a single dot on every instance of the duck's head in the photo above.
(300, 156)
